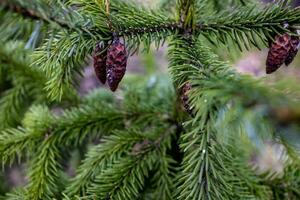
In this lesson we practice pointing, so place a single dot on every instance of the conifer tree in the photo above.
(190, 134)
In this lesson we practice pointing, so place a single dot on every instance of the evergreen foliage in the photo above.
(140, 143)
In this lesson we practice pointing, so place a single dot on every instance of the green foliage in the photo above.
(126, 183)
(24, 84)
(43, 172)
(249, 25)
(98, 158)
(140, 143)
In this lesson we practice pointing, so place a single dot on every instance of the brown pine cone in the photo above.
(294, 42)
(185, 99)
(116, 63)
(278, 53)
(100, 62)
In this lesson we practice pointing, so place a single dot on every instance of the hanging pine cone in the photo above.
(100, 62)
(278, 53)
(116, 63)
(185, 99)
(294, 42)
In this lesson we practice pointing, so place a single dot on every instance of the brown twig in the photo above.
(29, 13)
(107, 3)
(35, 15)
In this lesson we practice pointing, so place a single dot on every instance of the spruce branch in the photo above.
(61, 68)
(129, 181)
(44, 172)
(186, 14)
(249, 26)
(160, 184)
(91, 119)
(15, 54)
(136, 164)
(13, 143)
(16, 194)
(75, 125)
(137, 25)
(99, 157)
(251, 183)
(38, 10)
(202, 71)
(163, 178)
(8, 24)
(16, 100)
(187, 66)
(285, 186)
(13, 103)
(40, 177)
(126, 18)
(74, 48)
(69, 19)
(204, 173)
(197, 70)
(22, 10)
(103, 120)
(126, 15)
(27, 84)
(17, 142)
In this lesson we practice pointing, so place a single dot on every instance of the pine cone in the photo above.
(116, 63)
(278, 53)
(294, 42)
(185, 99)
(100, 62)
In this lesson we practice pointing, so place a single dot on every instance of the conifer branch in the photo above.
(44, 168)
(135, 169)
(13, 103)
(74, 47)
(197, 70)
(8, 24)
(26, 86)
(99, 157)
(249, 26)
(38, 12)
(205, 70)
(137, 25)
(203, 166)
(285, 186)
(44, 172)
(75, 125)
(17, 142)
(163, 178)
(61, 67)
(13, 144)
(29, 13)
(95, 121)
(136, 166)
(251, 183)
(153, 26)
(186, 14)
(16, 194)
